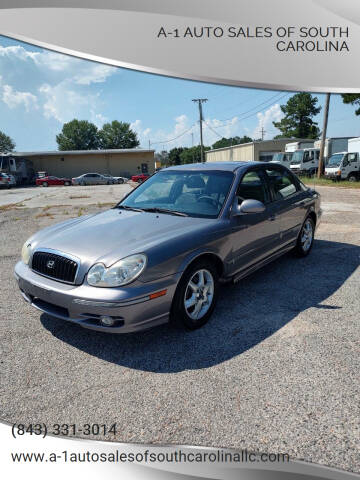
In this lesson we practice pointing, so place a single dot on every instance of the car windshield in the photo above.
(191, 193)
(297, 157)
(335, 160)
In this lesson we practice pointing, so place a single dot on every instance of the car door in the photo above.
(254, 235)
(351, 163)
(290, 202)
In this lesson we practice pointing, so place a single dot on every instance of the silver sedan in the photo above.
(163, 251)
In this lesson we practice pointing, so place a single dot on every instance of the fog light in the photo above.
(106, 320)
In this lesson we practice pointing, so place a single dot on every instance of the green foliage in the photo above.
(192, 155)
(297, 122)
(78, 135)
(117, 135)
(227, 142)
(6, 143)
(174, 156)
(162, 157)
(353, 99)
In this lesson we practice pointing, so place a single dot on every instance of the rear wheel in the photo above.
(352, 178)
(66, 184)
(196, 295)
(45, 184)
(306, 238)
(139, 180)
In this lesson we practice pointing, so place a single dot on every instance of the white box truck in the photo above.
(345, 165)
(282, 158)
(305, 161)
(293, 146)
(333, 145)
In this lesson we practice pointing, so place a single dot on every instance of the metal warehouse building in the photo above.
(262, 151)
(73, 163)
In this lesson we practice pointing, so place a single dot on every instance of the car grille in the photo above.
(54, 266)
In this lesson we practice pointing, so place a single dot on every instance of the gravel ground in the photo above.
(276, 369)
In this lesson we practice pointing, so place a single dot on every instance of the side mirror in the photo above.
(247, 206)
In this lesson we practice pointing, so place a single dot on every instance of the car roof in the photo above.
(224, 166)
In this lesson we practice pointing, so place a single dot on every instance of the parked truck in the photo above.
(293, 146)
(282, 158)
(345, 165)
(333, 145)
(21, 168)
(305, 161)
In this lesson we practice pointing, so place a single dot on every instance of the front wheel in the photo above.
(195, 296)
(306, 238)
(66, 184)
(352, 178)
(45, 184)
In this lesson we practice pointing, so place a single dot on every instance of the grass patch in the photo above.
(327, 182)
(44, 214)
(81, 212)
(105, 204)
(10, 206)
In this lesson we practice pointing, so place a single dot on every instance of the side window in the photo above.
(281, 182)
(352, 157)
(252, 187)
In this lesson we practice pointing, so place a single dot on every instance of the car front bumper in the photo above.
(84, 304)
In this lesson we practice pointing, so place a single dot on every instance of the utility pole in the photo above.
(200, 101)
(323, 135)
(262, 133)
(149, 143)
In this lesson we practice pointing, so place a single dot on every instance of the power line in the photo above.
(175, 138)
(214, 131)
(234, 107)
(248, 116)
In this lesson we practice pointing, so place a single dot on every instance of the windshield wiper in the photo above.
(165, 210)
(126, 207)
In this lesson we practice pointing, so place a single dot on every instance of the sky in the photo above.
(40, 90)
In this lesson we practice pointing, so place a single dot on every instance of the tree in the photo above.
(117, 135)
(353, 99)
(297, 122)
(162, 157)
(227, 142)
(174, 156)
(192, 155)
(78, 135)
(6, 143)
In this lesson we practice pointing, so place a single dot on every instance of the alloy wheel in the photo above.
(307, 235)
(199, 294)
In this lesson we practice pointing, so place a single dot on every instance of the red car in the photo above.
(46, 181)
(140, 178)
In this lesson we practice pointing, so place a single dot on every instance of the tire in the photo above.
(352, 178)
(140, 180)
(121, 181)
(67, 184)
(185, 315)
(305, 239)
(45, 184)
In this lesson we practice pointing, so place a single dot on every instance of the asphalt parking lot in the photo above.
(275, 370)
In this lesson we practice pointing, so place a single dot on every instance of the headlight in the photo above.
(121, 273)
(26, 252)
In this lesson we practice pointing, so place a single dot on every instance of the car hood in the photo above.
(114, 234)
